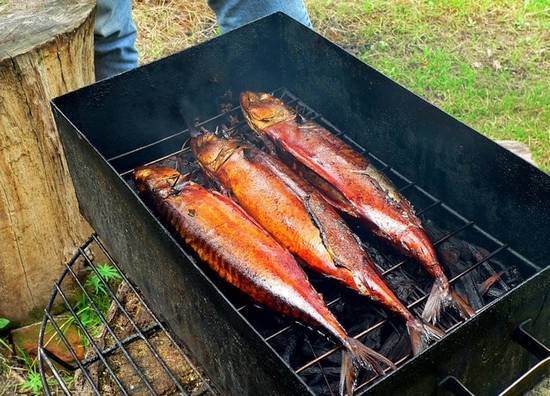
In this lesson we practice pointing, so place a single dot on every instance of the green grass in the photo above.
(33, 381)
(98, 294)
(485, 62)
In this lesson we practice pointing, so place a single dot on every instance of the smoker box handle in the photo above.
(537, 372)
(528, 380)
(531, 378)
(526, 340)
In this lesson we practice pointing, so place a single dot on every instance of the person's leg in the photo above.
(234, 13)
(114, 35)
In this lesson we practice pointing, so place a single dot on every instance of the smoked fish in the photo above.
(352, 184)
(226, 238)
(301, 220)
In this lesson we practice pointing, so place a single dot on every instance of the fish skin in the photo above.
(367, 193)
(245, 255)
(299, 218)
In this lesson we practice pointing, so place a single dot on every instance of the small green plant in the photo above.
(95, 286)
(107, 272)
(33, 383)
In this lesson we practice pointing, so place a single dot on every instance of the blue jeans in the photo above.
(115, 31)
(234, 13)
(114, 38)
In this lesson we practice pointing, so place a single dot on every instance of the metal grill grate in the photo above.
(132, 353)
(479, 265)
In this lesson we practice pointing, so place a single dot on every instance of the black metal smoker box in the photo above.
(116, 124)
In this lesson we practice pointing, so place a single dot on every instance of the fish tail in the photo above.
(422, 334)
(438, 299)
(359, 355)
(443, 296)
(461, 305)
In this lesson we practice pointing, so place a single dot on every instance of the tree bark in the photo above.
(46, 50)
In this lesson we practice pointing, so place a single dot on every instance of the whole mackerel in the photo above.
(301, 220)
(352, 184)
(244, 254)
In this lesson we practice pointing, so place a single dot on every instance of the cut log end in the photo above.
(47, 50)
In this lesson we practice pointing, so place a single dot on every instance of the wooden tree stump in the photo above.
(46, 50)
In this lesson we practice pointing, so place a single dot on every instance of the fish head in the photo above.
(211, 151)
(158, 180)
(263, 110)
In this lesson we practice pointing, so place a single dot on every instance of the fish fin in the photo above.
(347, 375)
(438, 299)
(324, 234)
(422, 334)
(359, 355)
(461, 305)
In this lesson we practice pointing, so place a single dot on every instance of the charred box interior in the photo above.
(478, 199)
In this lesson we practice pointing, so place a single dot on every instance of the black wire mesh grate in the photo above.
(131, 352)
(479, 266)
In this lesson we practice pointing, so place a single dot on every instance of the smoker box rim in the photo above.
(409, 362)
(127, 76)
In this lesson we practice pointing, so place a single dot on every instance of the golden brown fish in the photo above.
(299, 218)
(244, 254)
(351, 183)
